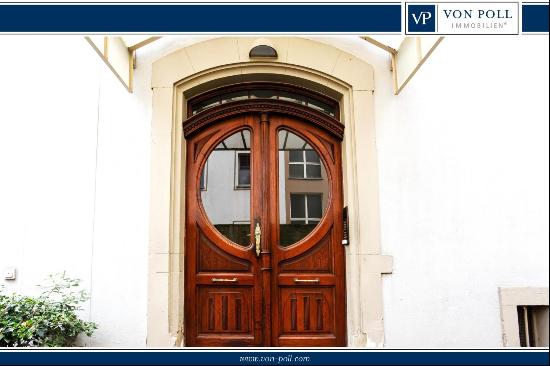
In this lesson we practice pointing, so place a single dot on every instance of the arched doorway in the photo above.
(264, 261)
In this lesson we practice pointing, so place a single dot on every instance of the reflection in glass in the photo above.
(228, 97)
(265, 94)
(303, 188)
(226, 196)
(209, 103)
(231, 97)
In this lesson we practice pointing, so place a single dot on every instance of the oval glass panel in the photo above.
(225, 187)
(303, 188)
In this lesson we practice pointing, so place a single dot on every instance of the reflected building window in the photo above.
(303, 188)
(304, 164)
(242, 169)
(305, 208)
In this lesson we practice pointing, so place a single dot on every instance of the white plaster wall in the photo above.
(122, 214)
(464, 189)
(47, 158)
(463, 160)
(74, 187)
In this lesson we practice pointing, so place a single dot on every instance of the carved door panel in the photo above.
(308, 280)
(263, 260)
(223, 295)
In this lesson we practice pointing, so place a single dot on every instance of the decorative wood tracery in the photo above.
(215, 114)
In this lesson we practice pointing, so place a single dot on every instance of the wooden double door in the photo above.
(263, 255)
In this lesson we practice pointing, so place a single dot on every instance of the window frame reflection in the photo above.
(203, 179)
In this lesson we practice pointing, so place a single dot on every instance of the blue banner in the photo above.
(283, 357)
(181, 18)
(534, 18)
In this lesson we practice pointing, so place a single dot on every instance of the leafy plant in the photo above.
(47, 320)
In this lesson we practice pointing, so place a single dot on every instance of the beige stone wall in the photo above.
(307, 63)
(510, 299)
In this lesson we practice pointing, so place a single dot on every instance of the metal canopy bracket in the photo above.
(118, 56)
(408, 58)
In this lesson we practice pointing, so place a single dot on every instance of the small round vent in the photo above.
(263, 51)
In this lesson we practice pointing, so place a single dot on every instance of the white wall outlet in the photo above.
(9, 273)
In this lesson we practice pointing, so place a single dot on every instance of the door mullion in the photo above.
(256, 217)
(264, 202)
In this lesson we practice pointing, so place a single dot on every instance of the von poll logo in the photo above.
(462, 18)
(421, 18)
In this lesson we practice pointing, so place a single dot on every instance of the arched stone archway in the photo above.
(306, 63)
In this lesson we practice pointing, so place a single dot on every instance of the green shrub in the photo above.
(47, 320)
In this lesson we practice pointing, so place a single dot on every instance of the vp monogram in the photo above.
(423, 17)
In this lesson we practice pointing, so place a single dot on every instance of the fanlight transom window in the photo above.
(304, 97)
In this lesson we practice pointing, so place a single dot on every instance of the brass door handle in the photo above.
(234, 279)
(297, 280)
(258, 238)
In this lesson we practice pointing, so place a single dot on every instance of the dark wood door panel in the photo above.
(317, 259)
(225, 311)
(309, 276)
(306, 310)
(223, 297)
(266, 294)
(210, 258)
